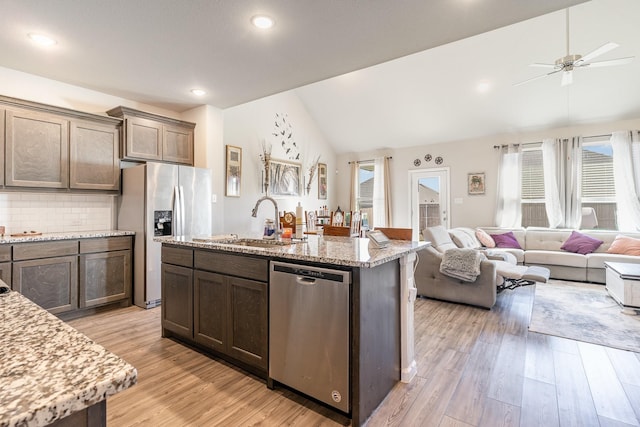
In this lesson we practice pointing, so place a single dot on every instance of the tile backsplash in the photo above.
(53, 213)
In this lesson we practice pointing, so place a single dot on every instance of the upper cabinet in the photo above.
(58, 148)
(153, 137)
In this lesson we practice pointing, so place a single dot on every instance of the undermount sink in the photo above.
(256, 243)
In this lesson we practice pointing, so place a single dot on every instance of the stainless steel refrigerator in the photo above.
(161, 199)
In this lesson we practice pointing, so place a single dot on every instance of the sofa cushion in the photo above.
(484, 238)
(506, 240)
(581, 243)
(464, 237)
(439, 238)
(597, 260)
(624, 245)
(567, 259)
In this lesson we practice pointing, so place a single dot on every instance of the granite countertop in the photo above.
(49, 370)
(347, 251)
(65, 236)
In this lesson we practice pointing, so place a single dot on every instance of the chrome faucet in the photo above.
(254, 212)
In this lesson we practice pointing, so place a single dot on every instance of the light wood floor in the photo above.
(475, 368)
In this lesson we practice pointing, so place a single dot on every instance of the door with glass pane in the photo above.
(429, 199)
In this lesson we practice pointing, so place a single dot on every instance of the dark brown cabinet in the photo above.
(94, 156)
(226, 308)
(152, 137)
(57, 148)
(66, 276)
(37, 149)
(5, 264)
(105, 271)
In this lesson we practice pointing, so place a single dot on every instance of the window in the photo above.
(365, 191)
(534, 213)
(598, 187)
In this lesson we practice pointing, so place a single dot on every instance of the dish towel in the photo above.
(463, 264)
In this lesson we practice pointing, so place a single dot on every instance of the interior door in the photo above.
(429, 199)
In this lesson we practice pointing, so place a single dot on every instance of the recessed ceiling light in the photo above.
(41, 39)
(483, 86)
(262, 21)
(198, 92)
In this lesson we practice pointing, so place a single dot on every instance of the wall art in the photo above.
(322, 180)
(476, 183)
(284, 178)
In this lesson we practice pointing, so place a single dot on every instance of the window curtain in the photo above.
(381, 193)
(551, 171)
(635, 156)
(627, 203)
(355, 187)
(571, 181)
(508, 209)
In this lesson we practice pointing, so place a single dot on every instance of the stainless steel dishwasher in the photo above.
(309, 331)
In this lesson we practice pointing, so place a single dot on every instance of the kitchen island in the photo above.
(215, 296)
(52, 373)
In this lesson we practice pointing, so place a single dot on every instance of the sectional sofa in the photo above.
(542, 247)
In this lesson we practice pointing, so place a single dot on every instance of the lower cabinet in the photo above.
(70, 275)
(51, 283)
(177, 300)
(204, 301)
(230, 316)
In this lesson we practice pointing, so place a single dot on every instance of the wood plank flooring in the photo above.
(475, 368)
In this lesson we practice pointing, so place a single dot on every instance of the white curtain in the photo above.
(508, 209)
(551, 170)
(635, 156)
(571, 154)
(355, 187)
(627, 203)
(381, 199)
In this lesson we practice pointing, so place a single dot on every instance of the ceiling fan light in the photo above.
(567, 78)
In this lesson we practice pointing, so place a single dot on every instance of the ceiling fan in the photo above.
(570, 62)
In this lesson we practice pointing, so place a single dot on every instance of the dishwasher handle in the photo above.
(305, 281)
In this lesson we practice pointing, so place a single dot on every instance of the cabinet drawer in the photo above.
(5, 253)
(235, 265)
(44, 250)
(177, 256)
(105, 244)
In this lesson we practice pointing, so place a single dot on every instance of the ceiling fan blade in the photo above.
(536, 78)
(618, 61)
(567, 78)
(538, 64)
(599, 51)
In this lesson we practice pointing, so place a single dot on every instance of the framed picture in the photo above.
(322, 180)
(285, 178)
(475, 183)
(233, 171)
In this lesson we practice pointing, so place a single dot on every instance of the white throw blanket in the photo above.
(463, 264)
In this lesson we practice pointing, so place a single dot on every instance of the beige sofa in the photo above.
(541, 247)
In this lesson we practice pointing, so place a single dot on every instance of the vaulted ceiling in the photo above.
(373, 75)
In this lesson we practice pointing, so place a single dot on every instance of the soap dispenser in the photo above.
(299, 222)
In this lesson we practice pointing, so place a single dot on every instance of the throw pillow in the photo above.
(506, 240)
(625, 245)
(462, 239)
(484, 238)
(581, 243)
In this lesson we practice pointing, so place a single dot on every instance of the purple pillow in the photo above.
(581, 243)
(506, 240)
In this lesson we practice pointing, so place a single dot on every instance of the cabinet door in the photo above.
(2, 128)
(210, 310)
(52, 283)
(105, 277)
(94, 153)
(5, 272)
(143, 139)
(247, 321)
(37, 150)
(177, 300)
(177, 145)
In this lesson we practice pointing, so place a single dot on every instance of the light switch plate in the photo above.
(214, 198)
(457, 200)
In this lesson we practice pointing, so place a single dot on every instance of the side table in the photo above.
(623, 284)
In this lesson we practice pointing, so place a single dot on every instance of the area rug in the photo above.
(583, 312)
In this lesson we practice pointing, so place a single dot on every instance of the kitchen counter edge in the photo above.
(47, 237)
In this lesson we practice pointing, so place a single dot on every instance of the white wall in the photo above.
(248, 126)
(462, 157)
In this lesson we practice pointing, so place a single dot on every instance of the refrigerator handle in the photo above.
(177, 214)
(182, 212)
